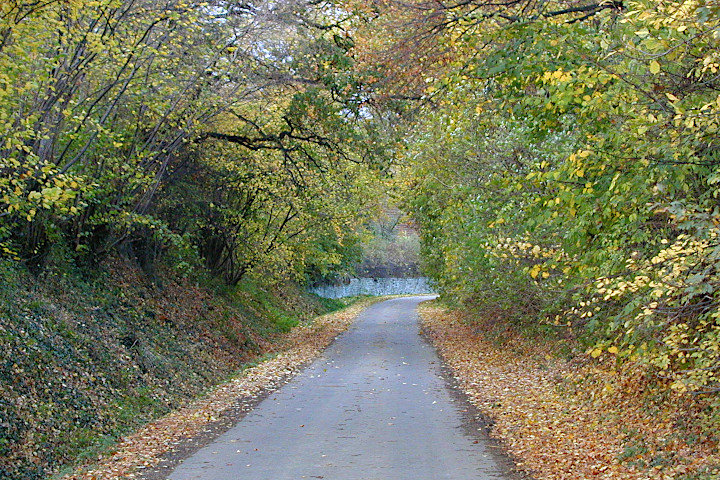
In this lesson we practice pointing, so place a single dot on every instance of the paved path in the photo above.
(373, 407)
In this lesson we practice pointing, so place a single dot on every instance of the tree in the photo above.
(581, 145)
(108, 104)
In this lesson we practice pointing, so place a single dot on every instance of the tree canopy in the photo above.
(561, 160)
(221, 132)
(560, 157)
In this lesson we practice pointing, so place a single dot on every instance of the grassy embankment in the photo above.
(86, 358)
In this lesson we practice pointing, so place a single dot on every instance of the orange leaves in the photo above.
(145, 448)
(567, 420)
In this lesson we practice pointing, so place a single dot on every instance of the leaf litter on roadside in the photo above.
(564, 420)
(146, 447)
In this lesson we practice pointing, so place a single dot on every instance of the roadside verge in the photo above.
(154, 449)
(564, 420)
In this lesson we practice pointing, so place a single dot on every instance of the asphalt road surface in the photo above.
(374, 406)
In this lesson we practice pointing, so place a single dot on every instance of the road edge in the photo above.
(152, 452)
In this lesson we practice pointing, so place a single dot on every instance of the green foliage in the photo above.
(567, 171)
(332, 304)
(113, 114)
(195, 139)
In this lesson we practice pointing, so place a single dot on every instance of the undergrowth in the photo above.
(656, 429)
(89, 355)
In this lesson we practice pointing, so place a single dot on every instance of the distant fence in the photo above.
(375, 287)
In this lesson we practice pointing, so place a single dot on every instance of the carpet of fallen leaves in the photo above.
(146, 447)
(569, 419)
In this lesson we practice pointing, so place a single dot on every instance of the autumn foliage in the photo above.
(209, 133)
(86, 361)
(563, 419)
(563, 169)
(561, 161)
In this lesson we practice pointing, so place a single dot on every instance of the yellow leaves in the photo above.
(667, 282)
(50, 195)
(679, 386)
(535, 424)
(539, 270)
(711, 64)
(654, 67)
(31, 186)
(535, 271)
(597, 351)
(556, 77)
(6, 251)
